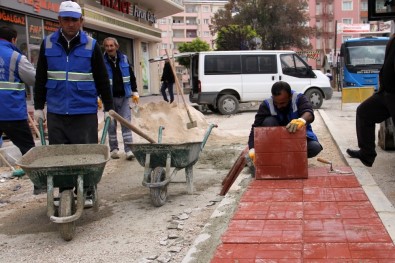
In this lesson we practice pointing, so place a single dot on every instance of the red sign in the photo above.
(10, 17)
(41, 4)
(119, 5)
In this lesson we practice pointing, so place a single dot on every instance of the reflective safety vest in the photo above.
(70, 86)
(124, 66)
(292, 113)
(12, 90)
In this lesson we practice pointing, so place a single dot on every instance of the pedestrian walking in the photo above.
(123, 85)
(286, 108)
(376, 109)
(71, 74)
(15, 70)
(168, 80)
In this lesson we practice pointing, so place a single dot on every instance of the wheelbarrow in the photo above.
(158, 158)
(67, 166)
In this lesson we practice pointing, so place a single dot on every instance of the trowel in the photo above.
(331, 170)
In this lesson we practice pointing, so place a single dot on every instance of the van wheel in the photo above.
(228, 104)
(315, 97)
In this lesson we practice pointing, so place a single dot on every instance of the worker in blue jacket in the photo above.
(70, 76)
(286, 108)
(124, 87)
(15, 70)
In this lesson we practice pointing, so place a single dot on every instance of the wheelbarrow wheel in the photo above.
(158, 194)
(67, 208)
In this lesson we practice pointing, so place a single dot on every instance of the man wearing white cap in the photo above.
(70, 75)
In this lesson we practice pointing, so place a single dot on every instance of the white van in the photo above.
(221, 80)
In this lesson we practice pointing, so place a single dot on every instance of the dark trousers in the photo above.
(72, 129)
(169, 87)
(313, 147)
(375, 109)
(19, 133)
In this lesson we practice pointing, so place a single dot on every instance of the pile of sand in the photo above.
(174, 118)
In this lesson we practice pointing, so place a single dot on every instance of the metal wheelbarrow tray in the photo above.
(66, 166)
(157, 160)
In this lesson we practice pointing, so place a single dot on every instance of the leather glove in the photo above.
(251, 153)
(295, 125)
(135, 97)
(39, 114)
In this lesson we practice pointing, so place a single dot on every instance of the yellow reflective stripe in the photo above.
(4, 85)
(72, 76)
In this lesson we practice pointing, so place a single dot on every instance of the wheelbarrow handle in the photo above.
(41, 128)
(207, 134)
(105, 129)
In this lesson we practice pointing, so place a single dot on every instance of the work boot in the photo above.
(114, 154)
(129, 155)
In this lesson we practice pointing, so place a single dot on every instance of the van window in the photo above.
(293, 65)
(222, 64)
(254, 64)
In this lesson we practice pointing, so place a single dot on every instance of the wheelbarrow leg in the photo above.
(50, 196)
(189, 178)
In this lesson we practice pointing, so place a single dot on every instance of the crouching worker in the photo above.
(286, 108)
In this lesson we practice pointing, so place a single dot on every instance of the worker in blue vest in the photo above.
(286, 108)
(15, 70)
(124, 87)
(71, 74)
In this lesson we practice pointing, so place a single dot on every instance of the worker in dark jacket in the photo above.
(167, 81)
(70, 76)
(15, 69)
(286, 108)
(124, 87)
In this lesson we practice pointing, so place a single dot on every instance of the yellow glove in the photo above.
(251, 153)
(135, 97)
(99, 104)
(295, 125)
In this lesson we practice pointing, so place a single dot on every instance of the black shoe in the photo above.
(357, 154)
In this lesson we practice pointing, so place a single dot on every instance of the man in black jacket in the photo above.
(376, 109)
(168, 82)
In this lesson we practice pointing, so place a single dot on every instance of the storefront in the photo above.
(131, 24)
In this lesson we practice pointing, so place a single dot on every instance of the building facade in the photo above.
(338, 20)
(194, 22)
(131, 22)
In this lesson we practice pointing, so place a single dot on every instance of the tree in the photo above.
(195, 46)
(281, 24)
(234, 37)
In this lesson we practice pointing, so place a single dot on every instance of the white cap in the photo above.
(70, 9)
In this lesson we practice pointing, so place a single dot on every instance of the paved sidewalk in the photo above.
(326, 218)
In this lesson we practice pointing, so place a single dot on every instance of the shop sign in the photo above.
(126, 7)
(50, 27)
(42, 4)
(11, 17)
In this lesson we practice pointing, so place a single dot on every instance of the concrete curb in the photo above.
(205, 245)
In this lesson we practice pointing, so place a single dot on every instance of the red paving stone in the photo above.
(326, 218)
